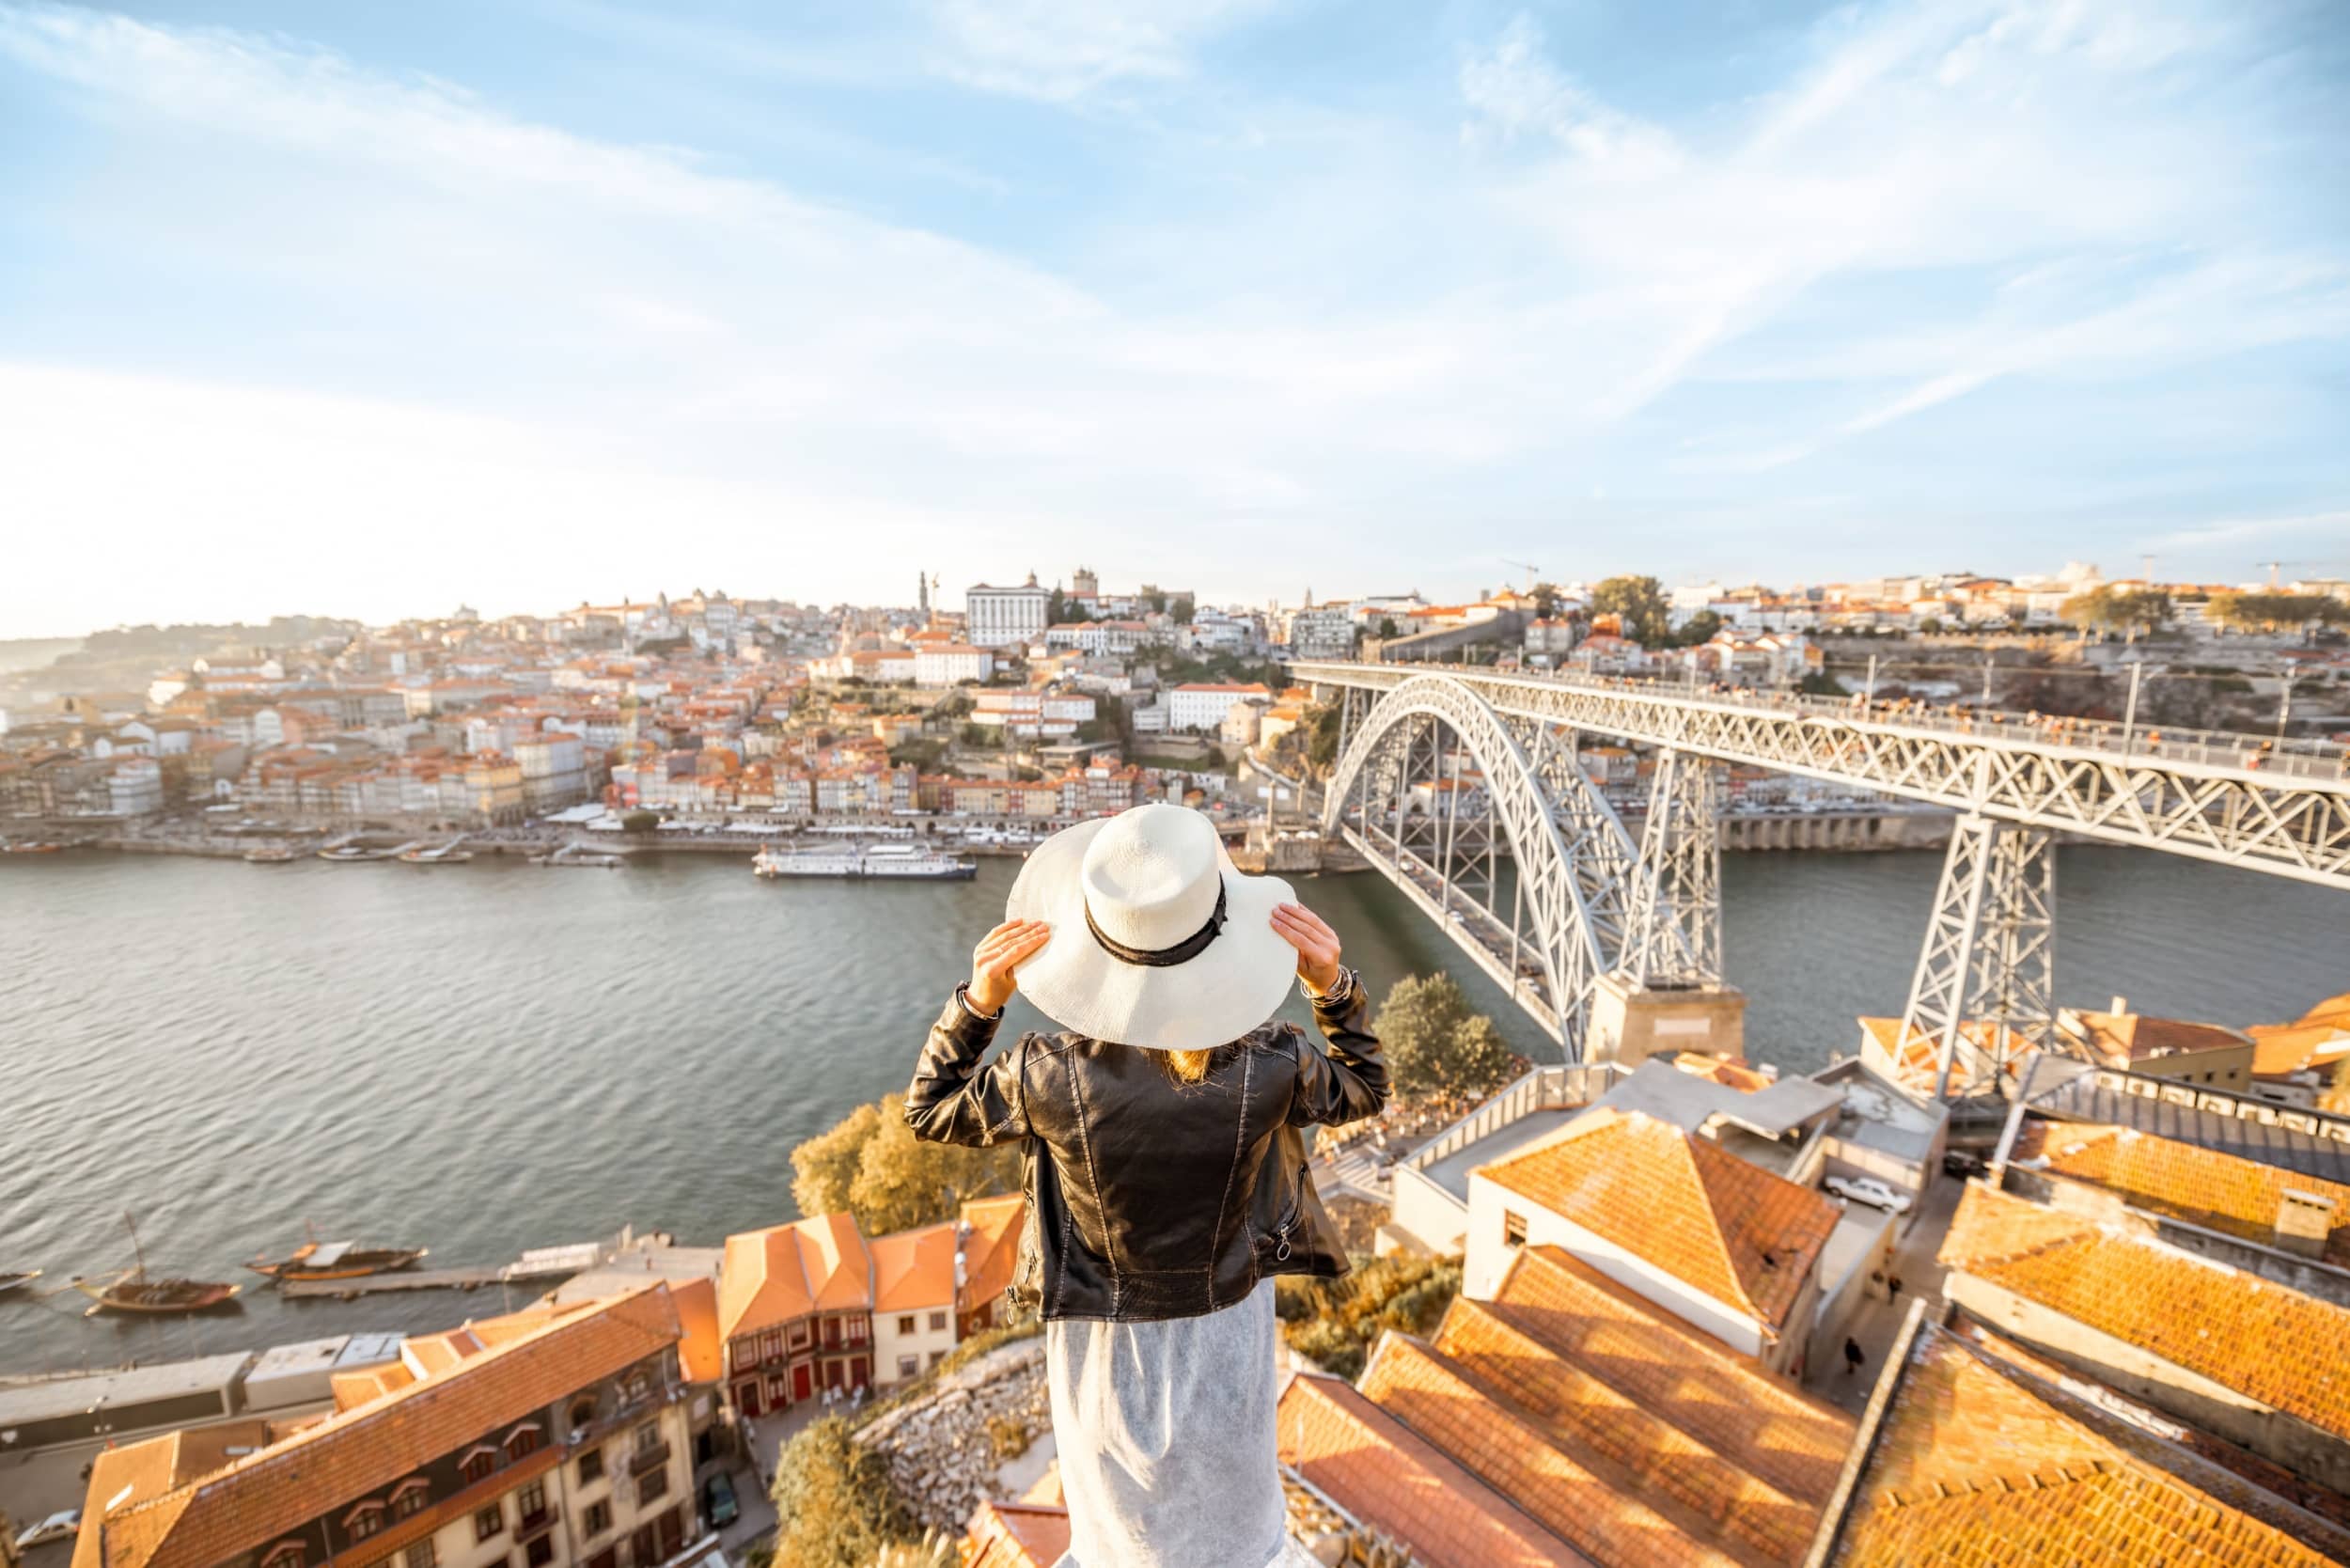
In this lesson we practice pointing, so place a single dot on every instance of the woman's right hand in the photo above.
(999, 952)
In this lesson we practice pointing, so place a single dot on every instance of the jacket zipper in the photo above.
(1281, 1232)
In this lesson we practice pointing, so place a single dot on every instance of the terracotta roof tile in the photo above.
(1590, 1508)
(789, 1271)
(1016, 1536)
(2204, 1186)
(992, 1250)
(914, 1268)
(2262, 1340)
(358, 1452)
(1680, 1202)
(1756, 1419)
(1973, 1466)
(1394, 1481)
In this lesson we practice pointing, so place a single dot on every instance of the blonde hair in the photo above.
(1187, 1067)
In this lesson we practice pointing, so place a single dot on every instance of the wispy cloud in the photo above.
(1363, 324)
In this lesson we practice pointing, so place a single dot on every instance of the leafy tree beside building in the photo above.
(1639, 606)
(836, 1506)
(2108, 609)
(1435, 1045)
(871, 1164)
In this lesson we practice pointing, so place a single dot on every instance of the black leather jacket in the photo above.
(1154, 1198)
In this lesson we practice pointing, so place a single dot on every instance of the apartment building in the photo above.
(557, 1437)
(1005, 616)
(796, 1307)
(915, 1275)
(1204, 704)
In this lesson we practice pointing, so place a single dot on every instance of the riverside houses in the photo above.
(556, 1437)
(795, 1305)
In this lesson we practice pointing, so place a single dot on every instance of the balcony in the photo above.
(648, 1459)
(535, 1526)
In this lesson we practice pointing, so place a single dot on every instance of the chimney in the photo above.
(2304, 1221)
(2121, 1006)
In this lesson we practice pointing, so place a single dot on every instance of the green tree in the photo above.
(1434, 1044)
(1639, 607)
(2272, 612)
(1322, 744)
(2106, 609)
(1184, 611)
(1386, 627)
(1700, 629)
(823, 1167)
(1337, 1321)
(640, 821)
(901, 1182)
(836, 1506)
(1546, 601)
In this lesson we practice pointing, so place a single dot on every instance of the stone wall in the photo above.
(943, 1445)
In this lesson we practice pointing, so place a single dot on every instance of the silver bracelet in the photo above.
(962, 995)
(1338, 993)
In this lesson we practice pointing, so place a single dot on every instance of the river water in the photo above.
(492, 1057)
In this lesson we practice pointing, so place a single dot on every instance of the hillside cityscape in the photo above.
(2075, 1286)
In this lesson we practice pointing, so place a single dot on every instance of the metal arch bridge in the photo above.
(1463, 786)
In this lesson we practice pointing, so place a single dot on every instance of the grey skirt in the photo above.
(1165, 1438)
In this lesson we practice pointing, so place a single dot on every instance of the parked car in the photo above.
(57, 1527)
(1962, 1165)
(1869, 1190)
(718, 1505)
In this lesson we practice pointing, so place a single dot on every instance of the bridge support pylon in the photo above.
(1984, 991)
(1677, 908)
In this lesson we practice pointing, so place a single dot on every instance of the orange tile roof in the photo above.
(2203, 1186)
(789, 1271)
(702, 1351)
(1760, 1422)
(1394, 1481)
(1974, 1465)
(1593, 1507)
(1016, 1536)
(992, 1250)
(357, 1451)
(914, 1268)
(2125, 1037)
(1682, 1203)
(2265, 1341)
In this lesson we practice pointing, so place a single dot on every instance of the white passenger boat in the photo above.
(880, 862)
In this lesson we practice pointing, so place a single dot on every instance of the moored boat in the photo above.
(17, 1279)
(268, 854)
(880, 862)
(338, 1261)
(132, 1291)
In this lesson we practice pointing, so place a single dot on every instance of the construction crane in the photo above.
(2273, 565)
(1531, 571)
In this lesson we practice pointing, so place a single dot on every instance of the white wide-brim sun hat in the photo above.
(1138, 953)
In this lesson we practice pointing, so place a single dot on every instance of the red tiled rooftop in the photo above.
(1736, 1233)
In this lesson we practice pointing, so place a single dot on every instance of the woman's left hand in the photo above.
(1317, 945)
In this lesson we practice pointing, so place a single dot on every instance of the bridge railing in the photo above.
(2104, 737)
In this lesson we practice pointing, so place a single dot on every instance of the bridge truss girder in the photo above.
(2285, 824)
(1436, 790)
(1984, 992)
(1678, 906)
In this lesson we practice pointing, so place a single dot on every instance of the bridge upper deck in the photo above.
(2283, 808)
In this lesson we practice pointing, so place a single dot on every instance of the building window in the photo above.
(539, 1552)
(422, 1555)
(773, 1344)
(583, 1410)
(1512, 1229)
(411, 1498)
(861, 1329)
(937, 1356)
(799, 1335)
(599, 1517)
(488, 1521)
(477, 1464)
(909, 1365)
(653, 1483)
(522, 1440)
(288, 1554)
(648, 1437)
(938, 1322)
(905, 1324)
(365, 1520)
(592, 1467)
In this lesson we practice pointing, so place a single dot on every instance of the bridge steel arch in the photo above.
(1577, 875)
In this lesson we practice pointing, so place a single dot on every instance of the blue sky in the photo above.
(369, 309)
